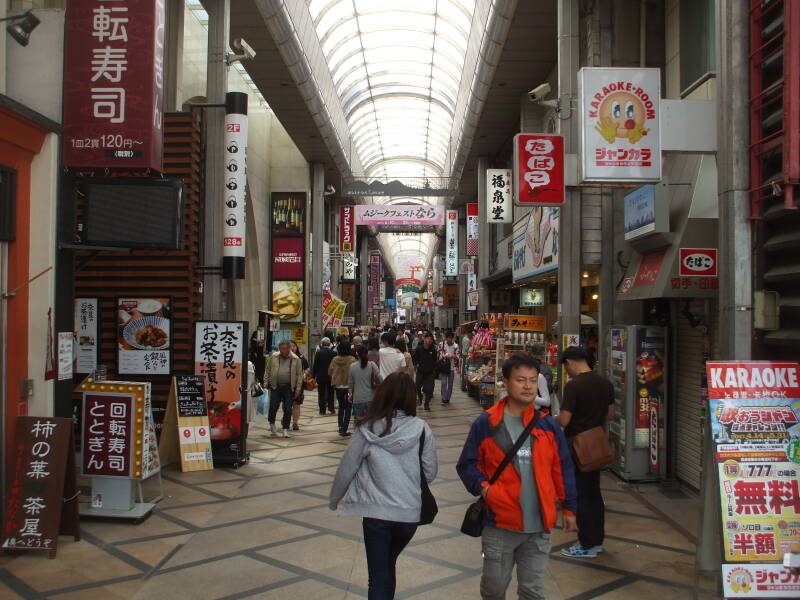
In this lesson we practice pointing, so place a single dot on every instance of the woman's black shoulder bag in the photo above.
(429, 507)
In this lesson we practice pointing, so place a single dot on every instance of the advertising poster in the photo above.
(65, 351)
(451, 250)
(219, 352)
(650, 382)
(538, 169)
(620, 114)
(114, 84)
(754, 409)
(759, 581)
(288, 213)
(472, 229)
(333, 309)
(531, 297)
(287, 300)
(144, 336)
(649, 267)
(498, 196)
(287, 258)
(87, 334)
(535, 248)
(640, 212)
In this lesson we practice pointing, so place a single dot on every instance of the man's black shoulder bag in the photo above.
(473, 520)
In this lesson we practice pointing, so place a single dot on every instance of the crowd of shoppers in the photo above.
(381, 379)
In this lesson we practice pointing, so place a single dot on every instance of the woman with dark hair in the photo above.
(379, 478)
(373, 347)
(339, 371)
(364, 378)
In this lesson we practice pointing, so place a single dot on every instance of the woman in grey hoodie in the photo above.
(379, 478)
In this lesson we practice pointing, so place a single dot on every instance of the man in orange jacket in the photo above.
(521, 504)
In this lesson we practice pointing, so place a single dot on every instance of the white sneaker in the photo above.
(272, 428)
(577, 545)
(286, 433)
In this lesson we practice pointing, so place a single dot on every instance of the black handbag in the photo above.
(443, 366)
(472, 524)
(429, 507)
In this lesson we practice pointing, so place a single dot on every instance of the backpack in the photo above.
(548, 377)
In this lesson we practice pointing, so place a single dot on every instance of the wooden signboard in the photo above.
(42, 493)
(186, 433)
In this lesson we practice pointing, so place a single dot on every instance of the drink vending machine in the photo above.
(638, 370)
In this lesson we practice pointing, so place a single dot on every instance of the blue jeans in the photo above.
(360, 410)
(447, 386)
(281, 396)
(384, 541)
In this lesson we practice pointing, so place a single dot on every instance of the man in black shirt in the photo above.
(588, 401)
(424, 358)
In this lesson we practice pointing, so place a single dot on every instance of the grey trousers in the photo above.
(504, 548)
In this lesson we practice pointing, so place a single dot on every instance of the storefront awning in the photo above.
(654, 272)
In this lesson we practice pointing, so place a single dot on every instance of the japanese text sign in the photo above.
(86, 327)
(759, 581)
(41, 494)
(287, 257)
(234, 176)
(219, 351)
(472, 229)
(524, 322)
(114, 84)
(755, 417)
(620, 133)
(697, 262)
(347, 229)
(498, 196)
(398, 214)
(451, 239)
(538, 169)
(107, 441)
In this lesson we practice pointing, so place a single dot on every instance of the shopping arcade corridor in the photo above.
(265, 531)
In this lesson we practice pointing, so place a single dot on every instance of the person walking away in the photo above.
(448, 350)
(408, 365)
(373, 349)
(379, 479)
(297, 403)
(390, 359)
(587, 402)
(339, 370)
(521, 503)
(322, 360)
(285, 380)
(425, 362)
(364, 377)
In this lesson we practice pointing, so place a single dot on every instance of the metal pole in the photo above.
(484, 238)
(569, 268)
(735, 289)
(317, 236)
(216, 86)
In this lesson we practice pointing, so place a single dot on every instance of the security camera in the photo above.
(243, 51)
(329, 190)
(539, 93)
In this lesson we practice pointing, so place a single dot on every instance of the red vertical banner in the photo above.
(114, 84)
(347, 229)
(538, 169)
(472, 229)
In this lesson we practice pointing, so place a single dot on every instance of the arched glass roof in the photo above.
(397, 66)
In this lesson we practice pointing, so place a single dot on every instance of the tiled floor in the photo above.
(265, 531)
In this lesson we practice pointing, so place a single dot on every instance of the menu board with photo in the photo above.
(755, 428)
(287, 300)
(219, 354)
(144, 336)
(87, 334)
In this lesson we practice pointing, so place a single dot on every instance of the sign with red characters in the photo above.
(347, 229)
(697, 262)
(754, 409)
(114, 84)
(538, 169)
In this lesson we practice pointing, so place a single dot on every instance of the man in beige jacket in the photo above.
(284, 375)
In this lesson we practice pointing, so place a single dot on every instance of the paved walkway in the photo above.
(265, 531)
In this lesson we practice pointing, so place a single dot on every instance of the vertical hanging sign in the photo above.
(498, 196)
(451, 254)
(235, 177)
(472, 229)
(347, 229)
(538, 170)
(114, 84)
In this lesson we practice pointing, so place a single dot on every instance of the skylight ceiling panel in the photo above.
(338, 52)
(409, 20)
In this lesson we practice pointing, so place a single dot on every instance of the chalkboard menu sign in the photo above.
(186, 434)
(42, 494)
(191, 396)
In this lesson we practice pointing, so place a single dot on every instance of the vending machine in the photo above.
(638, 370)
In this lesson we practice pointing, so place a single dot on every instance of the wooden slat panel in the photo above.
(156, 273)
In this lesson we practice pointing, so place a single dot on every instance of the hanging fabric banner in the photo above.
(472, 229)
